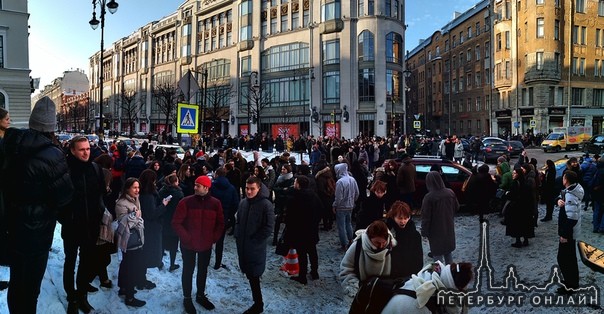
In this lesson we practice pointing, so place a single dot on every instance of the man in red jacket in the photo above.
(199, 223)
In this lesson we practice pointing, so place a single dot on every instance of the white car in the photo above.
(180, 152)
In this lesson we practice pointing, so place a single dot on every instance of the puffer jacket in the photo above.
(569, 217)
(199, 222)
(40, 188)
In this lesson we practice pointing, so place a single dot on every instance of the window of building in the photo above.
(598, 98)
(366, 46)
(478, 104)
(556, 30)
(583, 34)
(246, 65)
(274, 25)
(186, 40)
(393, 83)
(597, 67)
(454, 86)
(284, 24)
(330, 10)
(394, 48)
(331, 87)
(477, 28)
(580, 6)
(540, 60)
(454, 41)
(508, 42)
(461, 37)
(582, 66)
(361, 7)
(370, 7)
(540, 27)
(557, 60)
(461, 84)
(477, 52)
(498, 39)
(575, 34)
(245, 13)
(577, 96)
(367, 85)
(600, 8)
(388, 7)
(540, 1)
(477, 79)
(598, 37)
(508, 10)
(331, 52)
(285, 57)
(305, 17)
(508, 70)
(487, 76)
(470, 32)
(575, 66)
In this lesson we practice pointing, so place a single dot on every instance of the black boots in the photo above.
(135, 302)
(188, 305)
(257, 308)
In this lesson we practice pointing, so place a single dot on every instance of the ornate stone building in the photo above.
(280, 66)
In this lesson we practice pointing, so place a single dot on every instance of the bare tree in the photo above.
(257, 98)
(217, 103)
(130, 108)
(166, 96)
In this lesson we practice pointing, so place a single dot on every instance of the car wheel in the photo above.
(557, 149)
(545, 150)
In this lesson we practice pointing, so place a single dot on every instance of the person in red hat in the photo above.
(199, 223)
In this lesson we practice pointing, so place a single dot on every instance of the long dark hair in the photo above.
(128, 184)
(147, 181)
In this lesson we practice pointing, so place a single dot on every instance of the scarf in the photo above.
(284, 177)
(374, 262)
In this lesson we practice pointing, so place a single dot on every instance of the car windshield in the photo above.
(555, 136)
(598, 139)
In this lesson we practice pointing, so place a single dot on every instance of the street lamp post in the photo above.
(406, 74)
(94, 23)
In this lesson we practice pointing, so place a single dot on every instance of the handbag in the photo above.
(134, 240)
(106, 232)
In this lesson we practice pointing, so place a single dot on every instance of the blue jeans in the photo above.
(598, 221)
(344, 223)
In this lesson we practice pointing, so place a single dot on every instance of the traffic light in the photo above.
(333, 117)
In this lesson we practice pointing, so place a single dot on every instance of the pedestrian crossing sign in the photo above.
(187, 116)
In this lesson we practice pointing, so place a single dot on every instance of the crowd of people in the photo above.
(143, 202)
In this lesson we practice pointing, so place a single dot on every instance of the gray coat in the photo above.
(255, 222)
(438, 214)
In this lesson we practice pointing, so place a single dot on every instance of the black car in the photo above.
(492, 148)
(515, 147)
(595, 145)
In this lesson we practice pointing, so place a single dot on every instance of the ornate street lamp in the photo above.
(94, 23)
(406, 74)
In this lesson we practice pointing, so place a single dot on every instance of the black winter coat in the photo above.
(166, 218)
(135, 166)
(255, 223)
(152, 210)
(407, 256)
(225, 192)
(372, 209)
(39, 189)
(82, 219)
(302, 219)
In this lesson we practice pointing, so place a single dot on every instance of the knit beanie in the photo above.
(43, 117)
(204, 180)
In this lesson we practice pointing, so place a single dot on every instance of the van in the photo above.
(567, 138)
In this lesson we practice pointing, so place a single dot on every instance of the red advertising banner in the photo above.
(285, 130)
(332, 130)
(244, 129)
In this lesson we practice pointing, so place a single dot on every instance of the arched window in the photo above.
(366, 46)
(394, 48)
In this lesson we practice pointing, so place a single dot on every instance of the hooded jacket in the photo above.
(438, 213)
(569, 217)
(36, 186)
(347, 191)
(506, 176)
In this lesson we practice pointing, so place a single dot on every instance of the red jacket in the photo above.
(199, 222)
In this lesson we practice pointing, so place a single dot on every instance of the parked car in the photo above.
(180, 152)
(454, 173)
(62, 137)
(515, 147)
(595, 145)
(492, 148)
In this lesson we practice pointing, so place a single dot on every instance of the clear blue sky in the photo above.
(61, 39)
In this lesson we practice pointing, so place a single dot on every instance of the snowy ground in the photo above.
(229, 289)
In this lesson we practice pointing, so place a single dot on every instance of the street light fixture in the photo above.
(94, 23)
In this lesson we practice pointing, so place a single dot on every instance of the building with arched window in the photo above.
(288, 67)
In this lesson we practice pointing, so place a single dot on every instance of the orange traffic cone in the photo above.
(291, 265)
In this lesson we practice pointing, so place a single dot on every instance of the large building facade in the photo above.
(450, 86)
(320, 67)
(15, 89)
(513, 67)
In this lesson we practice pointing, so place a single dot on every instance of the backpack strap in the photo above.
(357, 256)
(406, 292)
